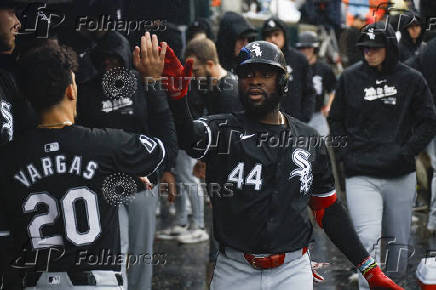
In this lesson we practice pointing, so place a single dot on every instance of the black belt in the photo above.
(77, 279)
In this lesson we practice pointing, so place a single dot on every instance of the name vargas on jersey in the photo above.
(58, 164)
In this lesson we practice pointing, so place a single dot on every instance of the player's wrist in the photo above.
(366, 266)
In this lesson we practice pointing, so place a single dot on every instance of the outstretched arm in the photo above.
(160, 66)
(338, 227)
(333, 218)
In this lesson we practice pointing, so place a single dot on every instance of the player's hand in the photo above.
(317, 278)
(199, 170)
(178, 76)
(168, 181)
(147, 183)
(325, 111)
(377, 280)
(149, 59)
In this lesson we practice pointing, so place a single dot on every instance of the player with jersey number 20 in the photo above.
(52, 180)
(261, 190)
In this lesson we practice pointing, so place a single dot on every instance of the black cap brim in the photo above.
(249, 34)
(306, 45)
(255, 61)
(371, 44)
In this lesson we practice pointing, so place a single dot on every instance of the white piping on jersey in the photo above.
(209, 136)
(330, 193)
(163, 155)
(5, 233)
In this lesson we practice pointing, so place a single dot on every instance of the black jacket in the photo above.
(387, 116)
(425, 62)
(407, 47)
(145, 111)
(232, 26)
(300, 100)
(16, 114)
(210, 99)
(224, 97)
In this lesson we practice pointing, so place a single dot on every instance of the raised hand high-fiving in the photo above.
(149, 59)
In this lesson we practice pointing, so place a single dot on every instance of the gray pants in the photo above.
(319, 122)
(381, 210)
(233, 272)
(141, 225)
(106, 280)
(188, 187)
(431, 151)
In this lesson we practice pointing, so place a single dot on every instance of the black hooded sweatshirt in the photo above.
(387, 116)
(144, 112)
(232, 26)
(300, 99)
(407, 47)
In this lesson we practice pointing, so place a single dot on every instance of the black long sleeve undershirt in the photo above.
(161, 125)
(187, 133)
(339, 228)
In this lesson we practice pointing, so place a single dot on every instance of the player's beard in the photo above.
(271, 102)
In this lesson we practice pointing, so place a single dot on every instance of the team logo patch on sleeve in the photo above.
(301, 158)
(148, 143)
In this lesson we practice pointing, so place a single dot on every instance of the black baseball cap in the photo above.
(271, 25)
(249, 33)
(371, 38)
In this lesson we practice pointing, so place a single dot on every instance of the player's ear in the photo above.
(210, 64)
(71, 90)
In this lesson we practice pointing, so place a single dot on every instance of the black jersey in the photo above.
(52, 194)
(261, 178)
(324, 82)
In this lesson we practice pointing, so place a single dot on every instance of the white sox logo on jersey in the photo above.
(8, 125)
(301, 159)
(382, 93)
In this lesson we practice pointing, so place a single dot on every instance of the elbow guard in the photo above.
(319, 202)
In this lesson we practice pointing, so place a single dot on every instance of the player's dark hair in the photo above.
(44, 74)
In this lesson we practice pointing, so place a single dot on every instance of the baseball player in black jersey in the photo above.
(66, 233)
(262, 174)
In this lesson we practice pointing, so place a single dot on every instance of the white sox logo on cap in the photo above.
(256, 49)
(371, 33)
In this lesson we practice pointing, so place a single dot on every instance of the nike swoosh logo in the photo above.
(243, 137)
(379, 82)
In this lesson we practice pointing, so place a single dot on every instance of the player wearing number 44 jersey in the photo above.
(52, 181)
(260, 187)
